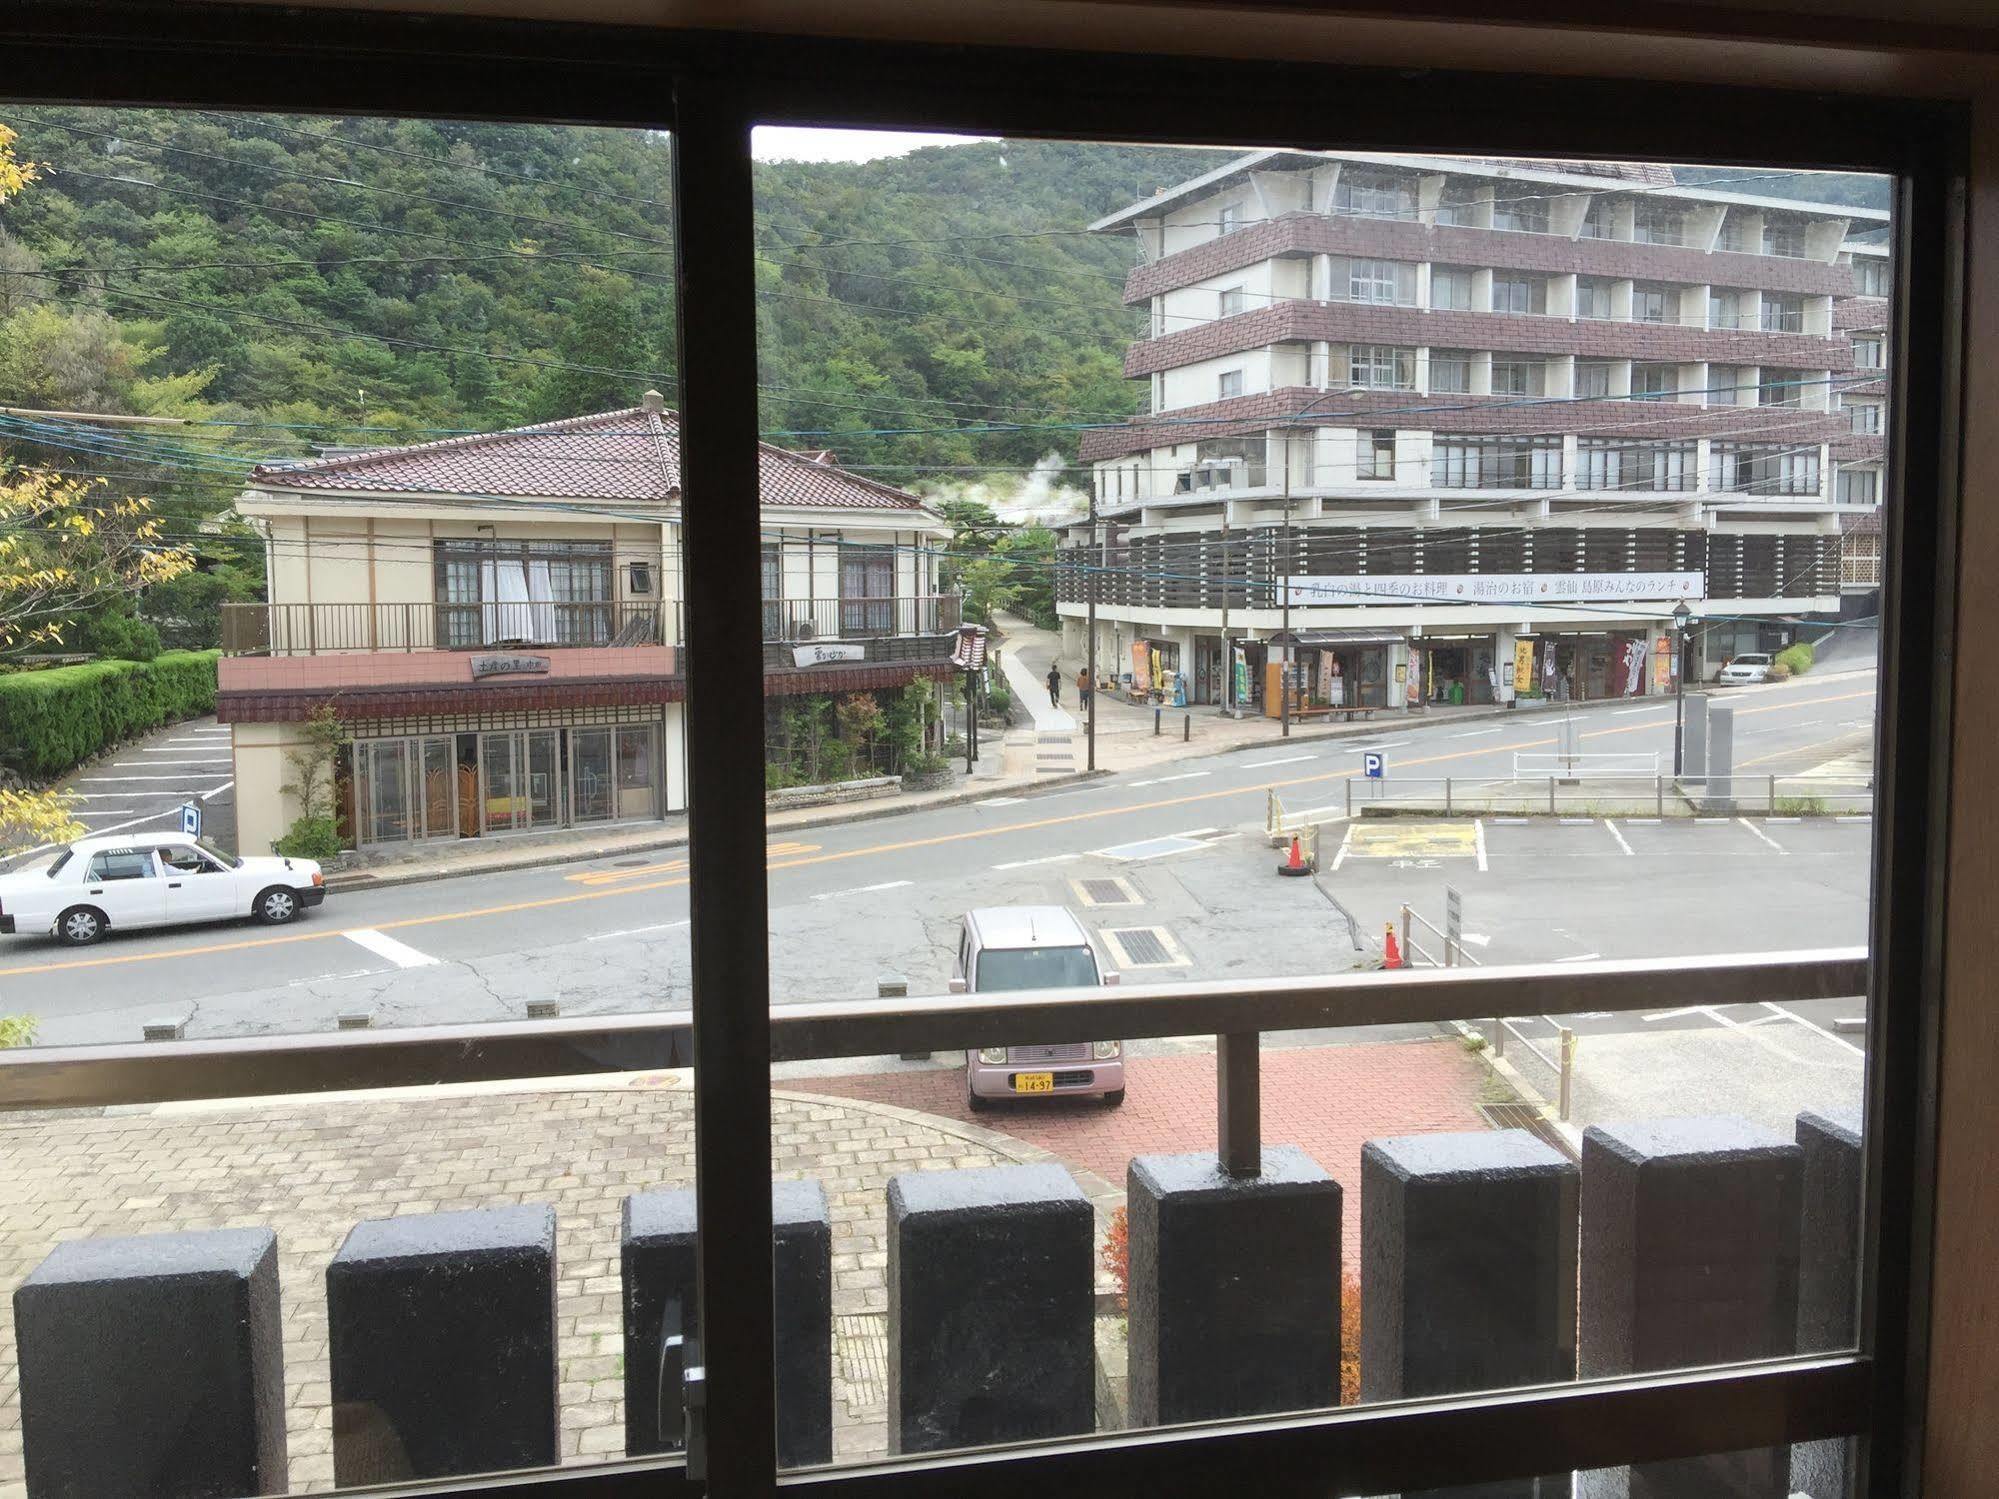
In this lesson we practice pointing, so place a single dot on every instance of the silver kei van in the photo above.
(1033, 947)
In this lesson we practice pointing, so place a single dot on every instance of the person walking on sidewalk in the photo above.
(1083, 688)
(1054, 685)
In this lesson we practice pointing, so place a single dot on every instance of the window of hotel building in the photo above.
(1385, 282)
(1450, 288)
(1228, 383)
(1519, 294)
(1863, 417)
(1724, 309)
(1858, 486)
(1654, 382)
(1381, 367)
(1763, 468)
(1229, 217)
(1725, 385)
(1519, 377)
(1375, 456)
(1607, 463)
(1229, 301)
(1778, 387)
(1225, 463)
(1737, 232)
(1593, 294)
(1867, 353)
(1600, 221)
(1659, 224)
(1593, 379)
(1463, 200)
(1783, 313)
(1652, 303)
(1450, 372)
(1497, 463)
(1870, 277)
(1784, 237)
(1375, 195)
(540, 592)
(1523, 215)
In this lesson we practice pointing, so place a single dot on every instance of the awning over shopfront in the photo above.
(1338, 637)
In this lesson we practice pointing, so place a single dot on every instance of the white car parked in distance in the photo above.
(124, 880)
(1750, 666)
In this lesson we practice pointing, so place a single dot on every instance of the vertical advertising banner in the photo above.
(1662, 663)
(1523, 666)
(1241, 669)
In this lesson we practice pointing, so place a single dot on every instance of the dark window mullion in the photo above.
(728, 887)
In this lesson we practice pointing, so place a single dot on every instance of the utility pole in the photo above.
(1681, 614)
(1092, 570)
(1290, 645)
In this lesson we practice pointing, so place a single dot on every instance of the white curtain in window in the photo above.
(541, 600)
(511, 617)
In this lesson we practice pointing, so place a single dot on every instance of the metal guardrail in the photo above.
(1616, 795)
(96, 1076)
(1573, 767)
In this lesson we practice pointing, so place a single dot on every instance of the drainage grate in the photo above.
(1106, 892)
(1145, 947)
(1529, 1117)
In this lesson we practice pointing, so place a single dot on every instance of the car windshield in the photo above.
(1036, 968)
(1747, 660)
(228, 860)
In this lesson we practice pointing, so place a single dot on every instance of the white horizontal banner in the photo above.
(1496, 588)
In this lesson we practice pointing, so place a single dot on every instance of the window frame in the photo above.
(68, 52)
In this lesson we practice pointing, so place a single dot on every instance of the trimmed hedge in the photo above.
(55, 719)
(1798, 658)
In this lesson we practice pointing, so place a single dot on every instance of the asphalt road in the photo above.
(853, 902)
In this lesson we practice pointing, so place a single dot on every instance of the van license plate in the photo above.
(1034, 1082)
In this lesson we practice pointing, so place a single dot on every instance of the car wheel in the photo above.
(80, 926)
(977, 1104)
(1114, 1098)
(276, 906)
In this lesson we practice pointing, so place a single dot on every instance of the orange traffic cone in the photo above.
(1391, 955)
(1295, 865)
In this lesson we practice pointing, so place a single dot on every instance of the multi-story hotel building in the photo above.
(1484, 424)
(494, 623)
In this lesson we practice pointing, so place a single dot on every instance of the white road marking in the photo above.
(1645, 822)
(1030, 863)
(862, 889)
(1769, 820)
(1478, 841)
(195, 750)
(1861, 817)
(190, 776)
(1280, 760)
(1676, 1014)
(1509, 822)
(216, 792)
(1477, 733)
(135, 822)
(102, 811)
(384, 946)
(1758, 832)
(1627, 712)
(634, 931)
(1477, 939)
(1577, 822)
(1787, 1014)
(1581, 957)
(1711, 822)
(1187, 775)
(1194, 833)
(1611, 828)
(1341, 857)
(328, 978)
(1001, 801)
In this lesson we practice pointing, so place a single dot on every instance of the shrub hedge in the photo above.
(52, 720)
(1799, 658)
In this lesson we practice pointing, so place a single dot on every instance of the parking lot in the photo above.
(142, 786)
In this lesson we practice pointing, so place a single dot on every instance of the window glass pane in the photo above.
(385, 384)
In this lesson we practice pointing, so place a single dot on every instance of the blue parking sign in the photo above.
(1372, 764)
(190, 819)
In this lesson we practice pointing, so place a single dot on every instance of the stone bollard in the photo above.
(153, 1365)
(441, 1331)
(1690, 1257)
(1235, 1291)
(1828, 1280)
(1693, 738)
(657, 1255)
(991, 1299)
(1468, 1274)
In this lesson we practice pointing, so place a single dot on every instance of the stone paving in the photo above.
(311, 1168)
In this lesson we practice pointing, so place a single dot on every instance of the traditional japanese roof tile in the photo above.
(631, 456)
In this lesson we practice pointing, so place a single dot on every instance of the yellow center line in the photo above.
(935, 840)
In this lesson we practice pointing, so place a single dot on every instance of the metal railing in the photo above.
(1530, 764)
(1612, 795)
(859, 619)
(313, 629)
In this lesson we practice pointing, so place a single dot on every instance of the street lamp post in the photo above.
(1681, 614)
(1091, 571)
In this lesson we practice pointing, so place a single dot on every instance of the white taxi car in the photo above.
(126, 880)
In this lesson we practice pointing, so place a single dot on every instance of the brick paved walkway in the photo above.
(1327, 1100)
(310, 1169)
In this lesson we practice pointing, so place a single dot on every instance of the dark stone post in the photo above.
(1468, 1273)
(990, 1308)
(1828, 1280)
(1235, 1289)
(441, 1332)
(657, 1253)
(1690, 1257)
(153, 1366)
